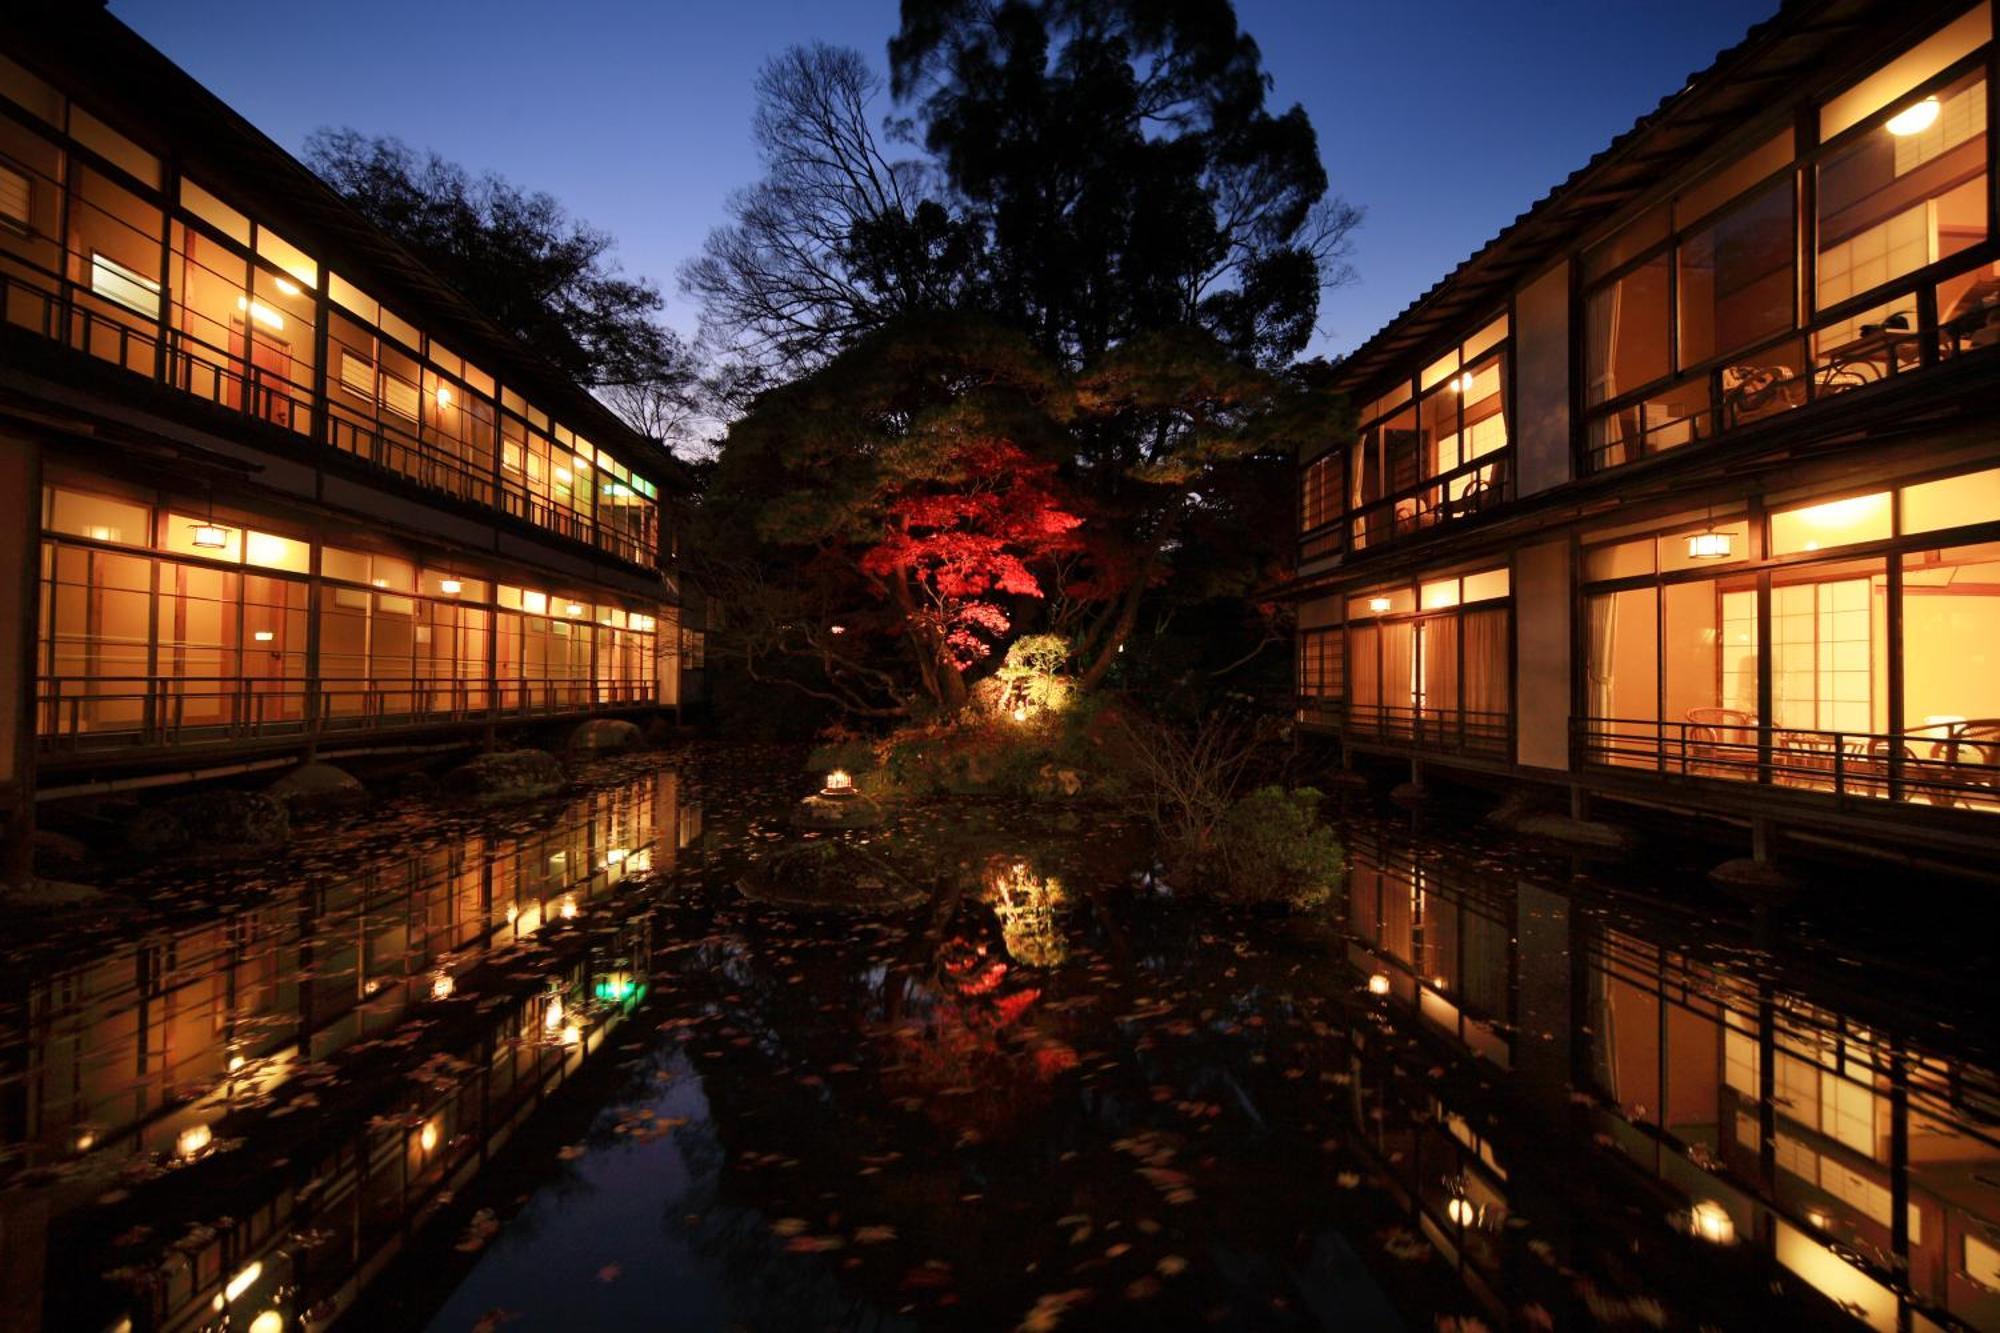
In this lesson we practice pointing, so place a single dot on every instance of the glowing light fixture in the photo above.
(1712, 1222)
(85, 1140)
(1378, 983)
(1379, 604)
(261, 314)
(571, 1035)
(1462, 1211)
(836, 629)
(193, 1139)
(573, 609)
(270, 1321)
(444, 395)
(1915, 119)
(235, 1063)
(1021, 713)
(1463, 384)
(442, 986)
(568, 909)
(242, 1281)
(552, 1018)
(288, 287)
(264, 636)
(838, 783)
(103, 535)
(427, 1137)
(1710, 545)
(210, 536)
(616, 856)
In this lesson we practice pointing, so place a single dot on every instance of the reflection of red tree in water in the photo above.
(977, 1060)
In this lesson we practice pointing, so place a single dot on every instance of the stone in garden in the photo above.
(222, 823)
(317, 786)
(507, 775)
(605, 735)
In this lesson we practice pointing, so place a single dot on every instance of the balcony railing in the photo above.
(78, 715)
(1446, 730)
(1953, 764)
(41, 302)
(1469, 489)
(1897, 335)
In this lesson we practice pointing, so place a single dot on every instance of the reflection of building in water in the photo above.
(188, 1037)
(1844, 1148)
(1026, 904)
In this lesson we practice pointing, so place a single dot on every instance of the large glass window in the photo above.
(1679, 674)
(1439, 457)
(1430, 664)
(1904, 195)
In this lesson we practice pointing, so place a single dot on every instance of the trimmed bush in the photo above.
(1270, 847)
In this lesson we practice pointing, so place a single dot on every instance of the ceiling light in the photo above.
(211, 537)
(1915, 119)
(451, 587)
(1710, 545)
(288, 287)
(1378, 604)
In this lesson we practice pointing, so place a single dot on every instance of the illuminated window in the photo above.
(400, 396)
(1819, 527)
(15, 198)
(121, 286)
(1954, 502)
(357, 375)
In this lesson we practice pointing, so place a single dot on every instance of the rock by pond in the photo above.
(507, 775)
(317, 786)
(605, 735)
(220, 824)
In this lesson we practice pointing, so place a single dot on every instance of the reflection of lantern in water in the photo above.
(1462, 1211)
(242, 1282)
(568, 908)
(1020, 712)
(1378, 983)
(270, 1321)
(571, 1035)
(442, 986)
(1712, 1222)
(193, 1139)
(552, 1017)
(427, 1137)
(1026, 905)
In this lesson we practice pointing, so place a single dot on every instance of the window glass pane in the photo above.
(1486, 585)
(1626, 332)
(1860, 518)
(1622, 652)
(25, 90)
(1829, 656)
(1618, 560)
(100, 518)
(1439, 593)
(113, 147)
(1951, 648)
(1904, 194)
(214, 212)
(1953, 502)
(1484, 339)
(1736, 281)
(287, 256)
(1938, 52)
(16, 199)
(1719, 187)
(1709, 642)
(1636, 239)
(1438, 370)
(274, 552)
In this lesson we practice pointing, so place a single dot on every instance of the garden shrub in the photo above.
(1270, 847)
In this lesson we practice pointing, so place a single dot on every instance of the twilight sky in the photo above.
(1443, 121)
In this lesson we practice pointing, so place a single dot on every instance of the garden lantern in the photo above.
(839, 783)
(1378, 983)
(1712, 1222)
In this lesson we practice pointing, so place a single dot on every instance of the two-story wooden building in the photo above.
(267, 485)
(1684, 490)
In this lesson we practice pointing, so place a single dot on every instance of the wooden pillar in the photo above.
(20, 603)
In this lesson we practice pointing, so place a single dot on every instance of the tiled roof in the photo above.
(1793, 45)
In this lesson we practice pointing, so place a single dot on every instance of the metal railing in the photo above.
(42, 302)
(82, 714)
(1952, 764)
(1448, 730)
(1466, 490)
(1793, 371)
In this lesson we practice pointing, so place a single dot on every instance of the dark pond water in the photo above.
(553, 1070)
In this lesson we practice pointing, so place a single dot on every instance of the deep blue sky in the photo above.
(1443, 120)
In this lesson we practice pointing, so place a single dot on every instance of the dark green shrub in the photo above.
(1270, 847)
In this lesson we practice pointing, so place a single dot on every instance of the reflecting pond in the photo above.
(557, 1069)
